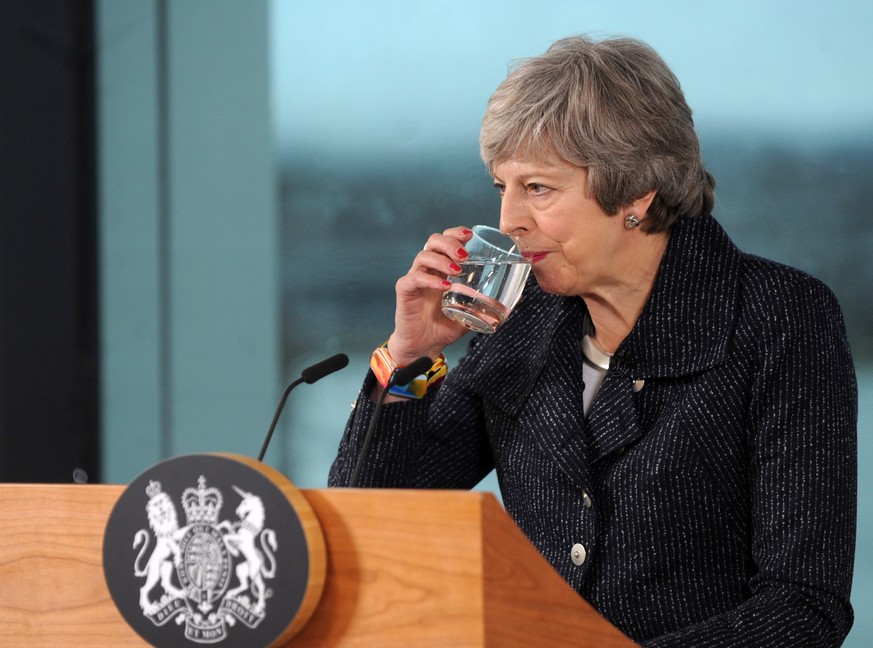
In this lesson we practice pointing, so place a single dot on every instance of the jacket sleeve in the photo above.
(802, 451)
(438, 441)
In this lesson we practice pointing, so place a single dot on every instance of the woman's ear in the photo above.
(641, 205)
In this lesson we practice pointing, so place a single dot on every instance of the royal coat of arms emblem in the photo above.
(191, 567)
(211, 549)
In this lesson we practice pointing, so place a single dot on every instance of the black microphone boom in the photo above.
(405, 375)
(309, 375)
(401, 376)
(324, 368)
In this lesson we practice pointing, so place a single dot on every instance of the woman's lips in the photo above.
(535, 257)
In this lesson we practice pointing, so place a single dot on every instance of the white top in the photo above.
(593, 370)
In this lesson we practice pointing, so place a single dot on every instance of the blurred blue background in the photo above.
(268, 169)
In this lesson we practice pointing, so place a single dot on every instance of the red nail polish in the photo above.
(463, 253)
(446, 283)
(454, 267)
(466, 232)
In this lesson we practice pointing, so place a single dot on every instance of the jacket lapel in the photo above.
(612, 422)
(684, 329)
(540, 380)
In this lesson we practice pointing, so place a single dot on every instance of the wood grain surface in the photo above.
(404, 568)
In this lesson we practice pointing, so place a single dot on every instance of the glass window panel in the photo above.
(377, 108)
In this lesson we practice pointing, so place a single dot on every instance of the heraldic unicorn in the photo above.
(190, 568)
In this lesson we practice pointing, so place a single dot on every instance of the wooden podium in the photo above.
(405, 569)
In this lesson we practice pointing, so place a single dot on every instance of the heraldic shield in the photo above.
(214, 549)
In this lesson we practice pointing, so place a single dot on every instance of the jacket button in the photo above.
(586, 499)
(578, 554)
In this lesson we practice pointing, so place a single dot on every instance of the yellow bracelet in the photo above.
(383, 367)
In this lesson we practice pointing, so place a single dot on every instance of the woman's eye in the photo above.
(537, 189)
(500, 188)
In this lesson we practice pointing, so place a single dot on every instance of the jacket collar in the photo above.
(686, 324)
(684, 328)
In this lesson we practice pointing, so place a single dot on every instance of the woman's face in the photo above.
(577, 248)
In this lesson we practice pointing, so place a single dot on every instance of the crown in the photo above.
(202, 504)
(153, 489)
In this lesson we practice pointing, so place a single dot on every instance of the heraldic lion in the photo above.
(165, 524)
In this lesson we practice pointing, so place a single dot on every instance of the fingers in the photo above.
(421, 279)
(420, 326)
(440, 259)
(450, 243)
(442, 253)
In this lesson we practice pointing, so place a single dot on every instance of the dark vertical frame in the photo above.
(49, 338)
(164, 233)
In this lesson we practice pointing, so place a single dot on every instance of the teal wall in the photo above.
(188, 230)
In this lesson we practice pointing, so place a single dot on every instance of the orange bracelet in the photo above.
(383, 367)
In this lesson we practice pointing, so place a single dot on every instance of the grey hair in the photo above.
(612, 107)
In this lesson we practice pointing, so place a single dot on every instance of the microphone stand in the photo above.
(368, 438)
(276, 416)
(309, 375)
(400, 376)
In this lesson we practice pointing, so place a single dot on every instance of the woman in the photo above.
(672, 421)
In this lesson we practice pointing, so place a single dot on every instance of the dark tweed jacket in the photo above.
(716, 505)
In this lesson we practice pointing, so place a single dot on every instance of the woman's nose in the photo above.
(513, 219)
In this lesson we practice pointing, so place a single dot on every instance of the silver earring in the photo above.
(631, 221)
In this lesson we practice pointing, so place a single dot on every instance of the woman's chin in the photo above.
(552, 285)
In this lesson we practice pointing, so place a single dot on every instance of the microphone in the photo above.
(309, 375)
(324, 368)
(400, 376)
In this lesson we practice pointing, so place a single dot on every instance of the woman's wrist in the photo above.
(384, 367)
(404, 355)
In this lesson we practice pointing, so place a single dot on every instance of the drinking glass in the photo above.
(491, 280)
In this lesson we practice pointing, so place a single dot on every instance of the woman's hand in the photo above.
(420, 328)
